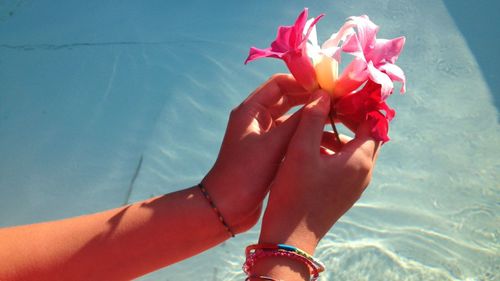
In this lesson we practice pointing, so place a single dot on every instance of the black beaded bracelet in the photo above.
(216, 210)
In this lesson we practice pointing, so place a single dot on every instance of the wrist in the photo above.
(281, 268)
(301, 238)
(281, 260)
(288, 226)
(232, 205)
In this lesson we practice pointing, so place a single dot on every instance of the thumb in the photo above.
(309, 132)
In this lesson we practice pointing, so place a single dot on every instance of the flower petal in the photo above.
(282, 41)
(302, 69)
(291, 46)
(366, 104)
(344, 32)
(382, 79)
(353, 46)
(351, 78)
(308, 29)
(313, 48)
(326, 72)
(387, 51)
(389, 112)
(366, 32)
(395, 73)
(313, 35)
(256, 53)
(333, 52)
(380, 126)
(298, 27)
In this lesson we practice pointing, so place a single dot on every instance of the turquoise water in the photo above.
(89, 88)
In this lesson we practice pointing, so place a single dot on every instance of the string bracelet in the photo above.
(256, 252)
(216, 210)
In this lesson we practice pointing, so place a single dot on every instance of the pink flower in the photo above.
(373, 59)
(366, 104)
(326, 57)
(359, 93)
(290, 46)
(373, 69)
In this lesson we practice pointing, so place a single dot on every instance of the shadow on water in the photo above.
(474, 19)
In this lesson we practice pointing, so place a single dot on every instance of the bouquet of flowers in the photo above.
(360, 91)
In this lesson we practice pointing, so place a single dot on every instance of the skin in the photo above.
(307, 199)
(314, 183)
(128, 242)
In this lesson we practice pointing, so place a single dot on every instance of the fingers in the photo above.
(329, 141)
(307, 137)
(282, 119)
(368, 144)
(283, 132)
(363, 145)
(271, 92)
(286, 102)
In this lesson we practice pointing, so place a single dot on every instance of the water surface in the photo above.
(89, 88)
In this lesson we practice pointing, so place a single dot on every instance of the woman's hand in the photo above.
(256, 139)
(124, 243)
(316, 184)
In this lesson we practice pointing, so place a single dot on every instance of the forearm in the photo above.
(118, 244)
(295, 232)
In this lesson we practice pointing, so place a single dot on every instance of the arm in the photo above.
(118, 244)
(128, 242)
(317, 183)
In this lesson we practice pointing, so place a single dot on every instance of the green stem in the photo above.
(332, 121)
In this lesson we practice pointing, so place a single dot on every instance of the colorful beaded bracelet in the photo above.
(216, 210)
(254, 257)
(258, 251)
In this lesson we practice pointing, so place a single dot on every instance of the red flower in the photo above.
(366, 104)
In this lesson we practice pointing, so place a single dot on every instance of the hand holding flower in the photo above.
(316, 184)
(256, 138)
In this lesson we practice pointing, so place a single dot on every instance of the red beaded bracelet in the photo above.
(258, 251)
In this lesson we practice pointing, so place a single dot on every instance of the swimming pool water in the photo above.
(92, 90)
